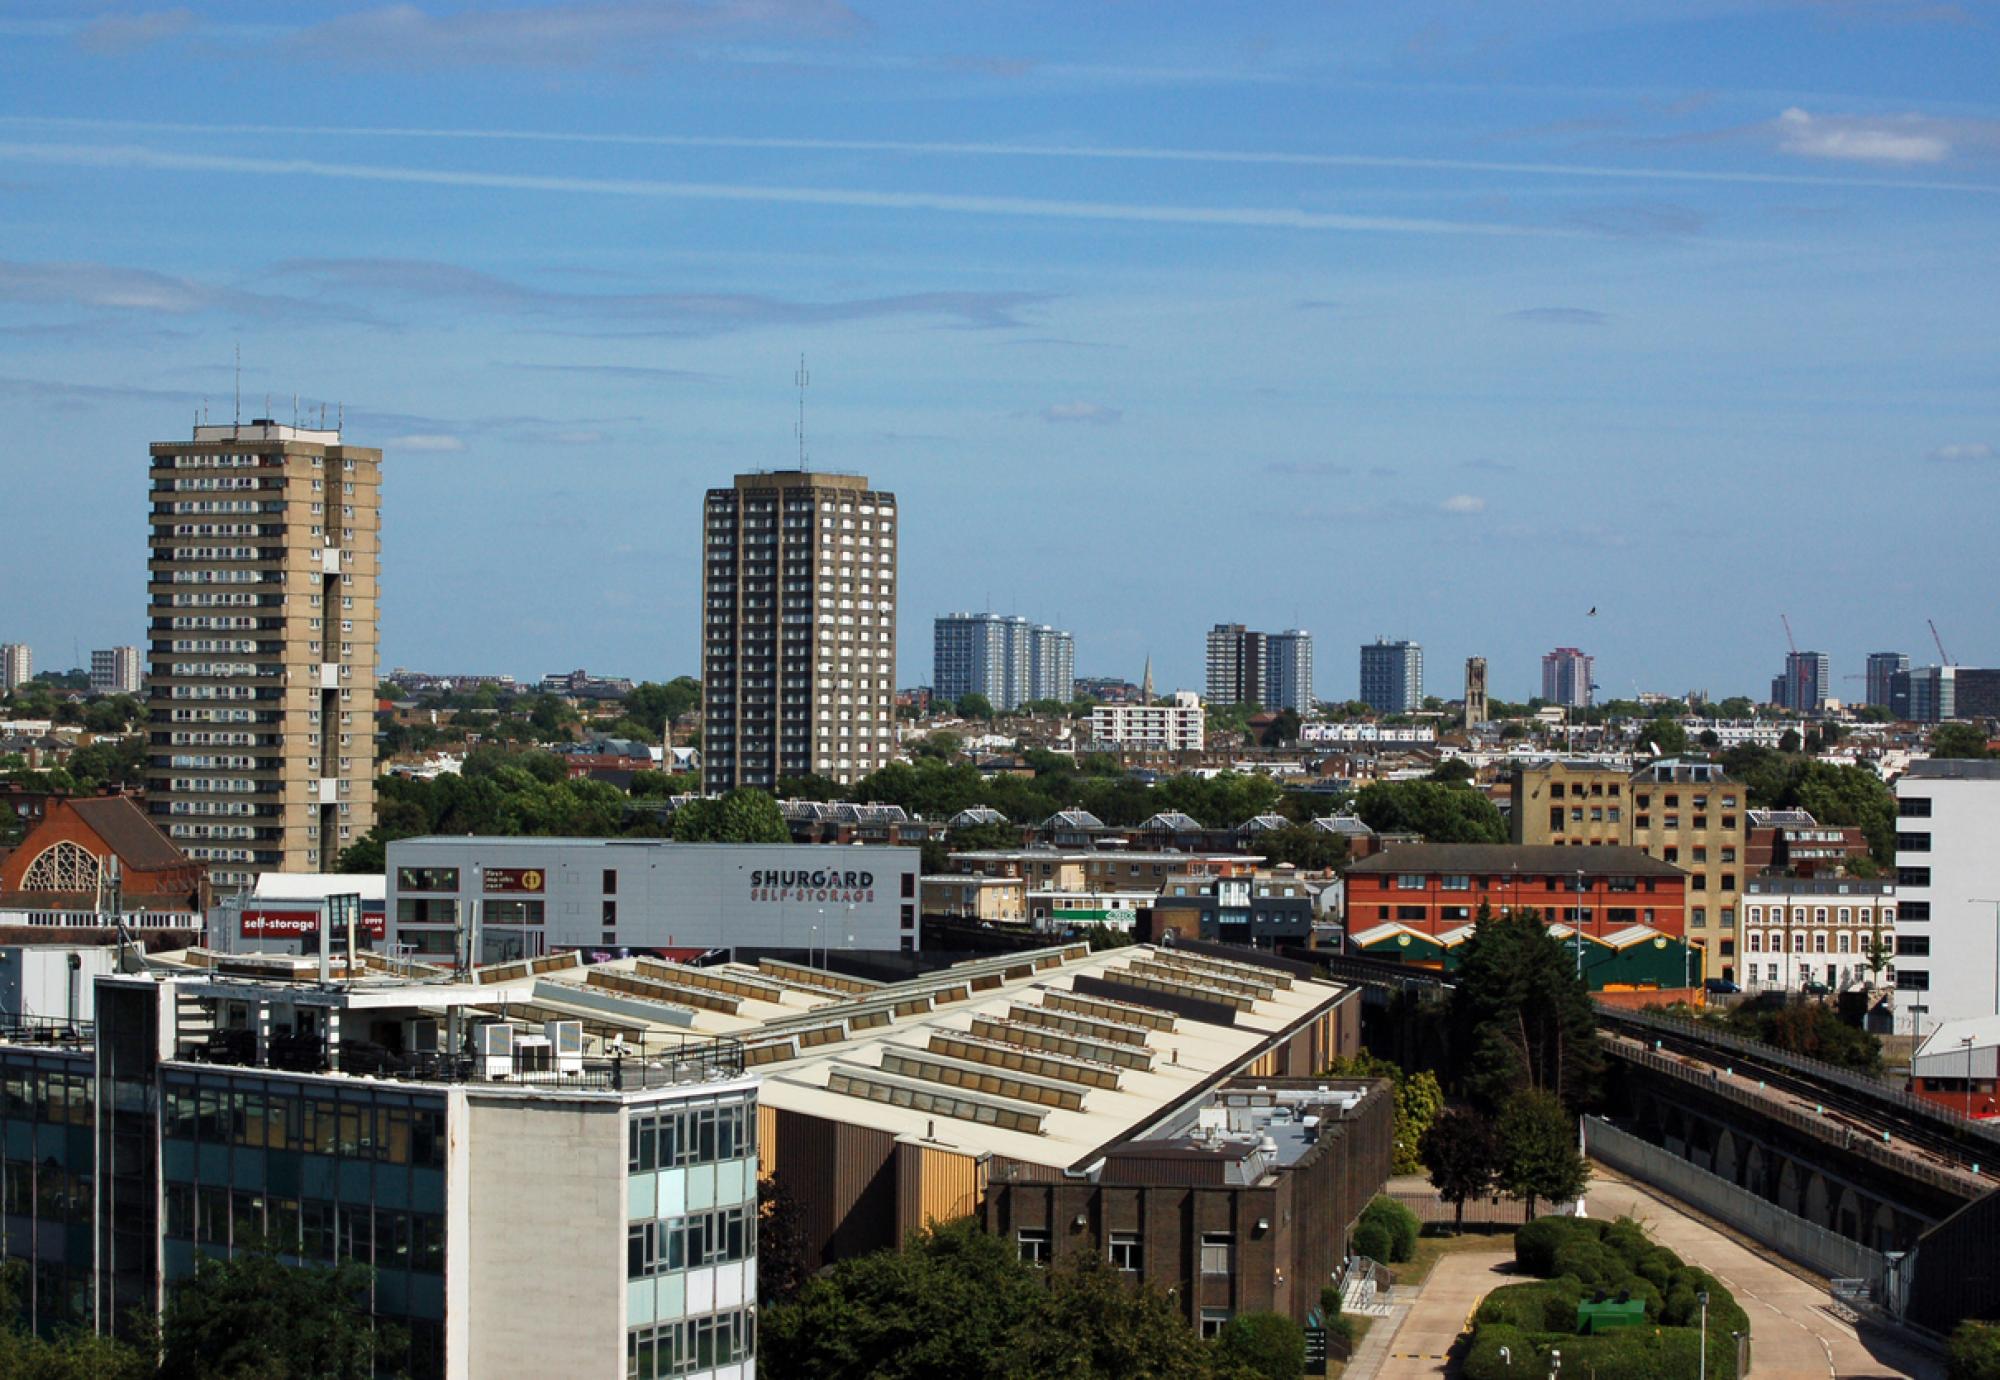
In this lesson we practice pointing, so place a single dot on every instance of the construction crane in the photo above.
(1944, 657)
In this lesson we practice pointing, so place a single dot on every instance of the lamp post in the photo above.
(1702, 1369)
(1966, 1040)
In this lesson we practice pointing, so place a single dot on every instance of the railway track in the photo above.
(1844, 1098)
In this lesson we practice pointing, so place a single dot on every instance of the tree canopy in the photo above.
(1441, 811)
(1958, 740)
(742, 816)
(1520, 1017)
(252, 1317)
(957, 1304)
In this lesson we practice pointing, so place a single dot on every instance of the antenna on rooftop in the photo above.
(803, 379)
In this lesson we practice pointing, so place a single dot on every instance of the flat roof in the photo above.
(1544, 859)
(1953, 769)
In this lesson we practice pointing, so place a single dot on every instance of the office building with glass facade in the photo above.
(529, 1199)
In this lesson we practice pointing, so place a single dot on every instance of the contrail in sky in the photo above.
(979, 149)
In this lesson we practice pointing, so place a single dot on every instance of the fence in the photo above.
(1479, 1212)
(1793, 1237)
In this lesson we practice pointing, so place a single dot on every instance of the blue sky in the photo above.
(1446, 321)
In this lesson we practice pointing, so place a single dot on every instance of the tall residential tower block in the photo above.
(261, 633)
(798, 629)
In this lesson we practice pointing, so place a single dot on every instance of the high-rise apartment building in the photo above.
(1947, 882)
(1566, 677)
(114, 671)
(1882, 668)
(262, 588)
(799, 629)
(1005, 658)
(1288, 670)
(1476, 708)
(1051, 664)
(1271, 669)
(1803, 687)
(17, 665)
(1392, 676)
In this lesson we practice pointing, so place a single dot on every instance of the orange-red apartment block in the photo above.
(1439, 886)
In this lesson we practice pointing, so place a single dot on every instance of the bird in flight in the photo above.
(1592, 613)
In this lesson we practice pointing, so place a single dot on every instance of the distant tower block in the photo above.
(1475, 691)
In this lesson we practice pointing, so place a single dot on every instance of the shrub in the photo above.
(1975, 1351)
(1535, 1243)
(1592, 1265)
(1267, 1345)
(1329, 1300)
(1372, 1240)
(1398, 1221)
(1548, 1306)
(1482, 1358)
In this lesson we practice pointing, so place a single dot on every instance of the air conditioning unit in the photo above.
(422, 1037)
(495, 1043)
(565, 1045)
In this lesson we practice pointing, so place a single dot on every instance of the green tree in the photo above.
(1958, 740)
(1442, 812)
(1268, 1346)
(657, 706)
(1736, 707)
(1539, 1157)
(975, 706)
(253, 1318)
(1462, 1154)
(1093, 1323)
(1665, 733)
(782, 1268)
(70, 1354)
(1975, 1351)
(1303, 846)
(1418, 1101)
(1282, 729)
(11, 829)
(942, 746)
(1520, 1017)
(953, 1303)
(744, 815)
(1790, 741)
(1452, 769)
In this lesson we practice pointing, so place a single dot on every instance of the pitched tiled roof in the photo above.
(125, 829)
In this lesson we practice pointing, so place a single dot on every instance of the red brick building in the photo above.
(1435, 887)
(96, 857)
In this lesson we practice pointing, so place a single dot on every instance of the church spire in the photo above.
(1146, 683)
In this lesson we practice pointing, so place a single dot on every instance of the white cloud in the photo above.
(1464, 503)
(1094, 414)
(433, 443)
(1964, 451)
(1864, 139)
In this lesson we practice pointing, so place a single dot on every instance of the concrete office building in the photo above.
(1271, 669)
(114, 671)
(1938, 694)
(1948, 893)
(524, 897)
(798, 629)
(1179, 725)
(1567, 677)
(1003, 657)
(1805, 684)
(17, 665)
(262, 582)
(1392, 676)
(1882, 669)
(1476, 707)
(530, 1201)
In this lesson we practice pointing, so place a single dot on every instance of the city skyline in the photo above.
(1476, 305)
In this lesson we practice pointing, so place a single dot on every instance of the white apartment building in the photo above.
(114, 671)
(17, 665)
(1798, 931)
(1948, 880)
(1178, 725)
(1325, 732)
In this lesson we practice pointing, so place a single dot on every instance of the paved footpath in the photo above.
(1795, 1333)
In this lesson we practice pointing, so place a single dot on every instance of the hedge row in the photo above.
(1576, 1257)
(1629, 1353)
